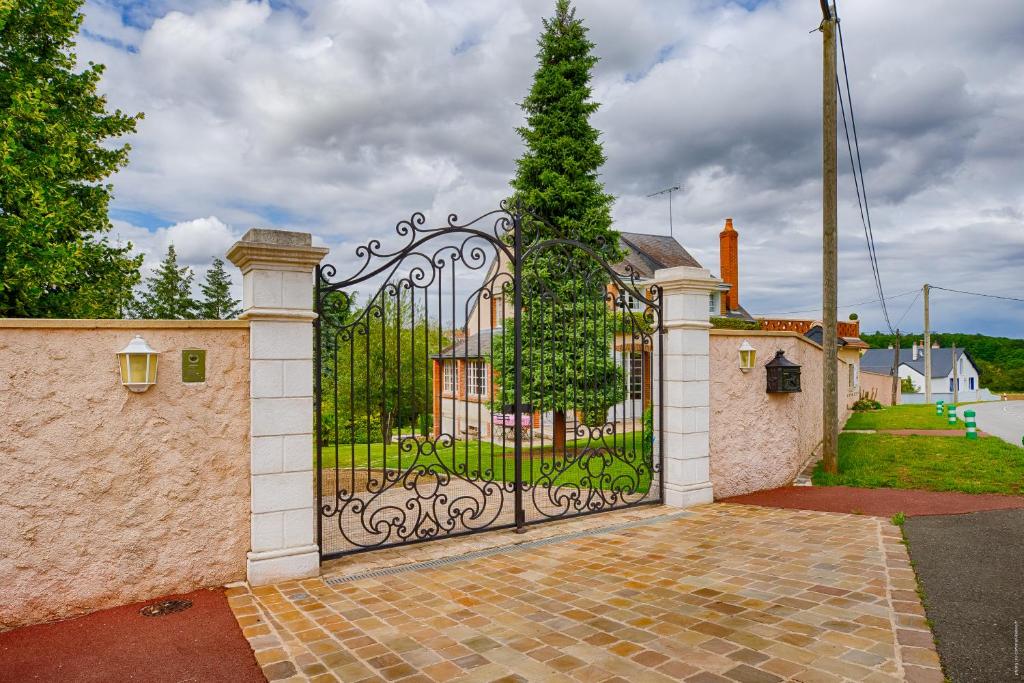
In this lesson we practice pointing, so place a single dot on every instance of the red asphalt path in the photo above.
(877, 502)
(202, 644)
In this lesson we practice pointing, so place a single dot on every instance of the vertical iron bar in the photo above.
(317, 406)
(517, 288)
(661, 399)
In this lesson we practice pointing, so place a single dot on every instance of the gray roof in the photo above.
(880, 361)
(473, 346)
(648, 253)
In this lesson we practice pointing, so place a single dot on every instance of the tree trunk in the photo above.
(559, 432)
(387, 422)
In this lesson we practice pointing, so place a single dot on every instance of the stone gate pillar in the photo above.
(685, 311)
(277, 299)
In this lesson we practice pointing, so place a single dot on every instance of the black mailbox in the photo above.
(783, 375)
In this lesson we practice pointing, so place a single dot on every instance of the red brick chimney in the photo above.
(728, 254)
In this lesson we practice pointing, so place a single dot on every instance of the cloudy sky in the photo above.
(341, 117)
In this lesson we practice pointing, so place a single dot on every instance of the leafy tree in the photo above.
(168, 294)
(217, 303)
(376, 366)
(907, 386)
(55, 258)
(567, 363)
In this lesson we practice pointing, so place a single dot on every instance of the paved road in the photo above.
(970, 567)
(1004, 419)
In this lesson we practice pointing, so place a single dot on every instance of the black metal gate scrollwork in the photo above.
(483, 383)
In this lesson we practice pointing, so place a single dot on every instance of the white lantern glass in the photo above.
(138, 363)
(748, 356)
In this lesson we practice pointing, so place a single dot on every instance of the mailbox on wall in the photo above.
(193, 365)
(783, 375)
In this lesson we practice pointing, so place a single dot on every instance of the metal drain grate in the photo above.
(164, 607)
(488, 552)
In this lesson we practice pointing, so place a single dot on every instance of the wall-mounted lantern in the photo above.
(783, 375)
(748, 356)
(138, 365)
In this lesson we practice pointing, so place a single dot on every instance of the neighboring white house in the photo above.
(911, 365)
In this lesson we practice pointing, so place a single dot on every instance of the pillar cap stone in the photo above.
(686, 279)
(263, 248)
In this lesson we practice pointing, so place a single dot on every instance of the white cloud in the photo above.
(342, 118)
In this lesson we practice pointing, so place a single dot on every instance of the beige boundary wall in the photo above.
(879, 387)
(107, 496)
(760, 440)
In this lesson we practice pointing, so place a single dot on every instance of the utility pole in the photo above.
(829, 263)
(927, 349)
(669, 190)
(896, 366)
(956, 379)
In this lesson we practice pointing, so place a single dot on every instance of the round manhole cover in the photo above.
(159, 609)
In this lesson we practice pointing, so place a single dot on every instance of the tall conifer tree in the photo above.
(217, 303)
(55, 156)
(168, 294)
(557, 175)
(566, 361)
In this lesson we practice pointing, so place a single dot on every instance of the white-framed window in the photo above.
(854, 376)
(631, 303)
(476, 378)
(448, 377)
(970, 383)
(635, 370)
(711, 304)
(951, 384)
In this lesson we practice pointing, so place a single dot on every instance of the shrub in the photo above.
(864, 403)
(734, 323)
(648, 438)
(357, 430)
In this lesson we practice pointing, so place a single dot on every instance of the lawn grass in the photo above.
(485, 460)
(932, 463)
(902, 417)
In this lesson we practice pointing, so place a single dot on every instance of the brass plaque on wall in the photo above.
(193, 365)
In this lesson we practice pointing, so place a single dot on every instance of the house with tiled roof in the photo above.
(462, 372)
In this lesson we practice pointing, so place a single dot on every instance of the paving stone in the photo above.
(728, 593)
(745, 673)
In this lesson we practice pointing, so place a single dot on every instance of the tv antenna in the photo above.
(668, 191)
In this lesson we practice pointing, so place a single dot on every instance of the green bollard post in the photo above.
(972, 426)
(952, 415)
(938, 408)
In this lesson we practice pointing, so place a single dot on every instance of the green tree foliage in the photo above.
(168, 294)
(567, 363)
(557, 175)
(376, 367)
(217, 303)
(1000, 360)
(907, 386)
(55, 257)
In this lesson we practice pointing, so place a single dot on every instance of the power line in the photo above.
(908, 309)
(990, 296)
(858, 169)
(860, 303)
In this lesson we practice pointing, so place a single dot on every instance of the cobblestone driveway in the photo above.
(726, 593)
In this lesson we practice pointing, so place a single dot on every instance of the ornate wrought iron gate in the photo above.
(483, 384)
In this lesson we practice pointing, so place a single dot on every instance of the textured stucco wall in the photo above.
(106, 496)
(760, 440)
(879, 387)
